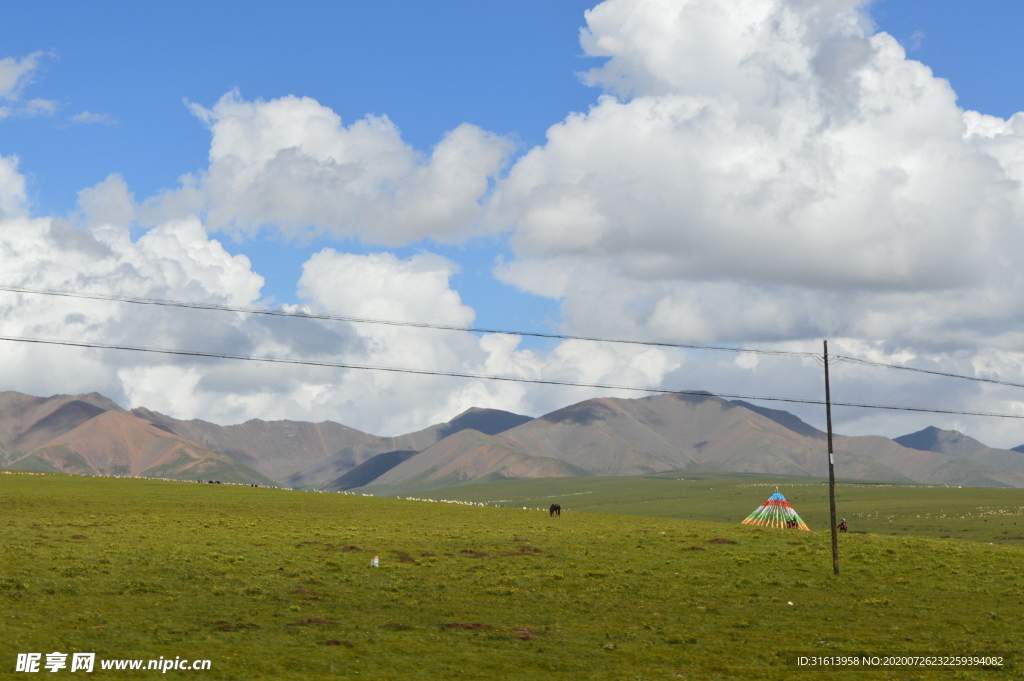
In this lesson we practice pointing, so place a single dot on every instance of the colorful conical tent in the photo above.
(774, 513)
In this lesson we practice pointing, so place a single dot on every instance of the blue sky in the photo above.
(117, 87)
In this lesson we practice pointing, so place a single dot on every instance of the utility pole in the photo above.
(831, 470)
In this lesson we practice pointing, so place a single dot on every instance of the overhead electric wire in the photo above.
(472, 329)
(867, 362)
(513, 379)
(390, 322)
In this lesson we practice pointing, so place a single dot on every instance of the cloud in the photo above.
(772, 172)
(290, 163)
(13, 200)
(797, 152)
(382, 286)
(89, 118)
(15, 76)
(40, 107)
(915, 40)
(107, 203)
(177, 260)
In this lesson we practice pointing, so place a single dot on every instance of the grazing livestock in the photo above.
(842, 525)
(555, 510)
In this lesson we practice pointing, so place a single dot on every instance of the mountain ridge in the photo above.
(90, 434)
(614, 436)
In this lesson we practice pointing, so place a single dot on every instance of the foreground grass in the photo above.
(977, 513)
(259, 581)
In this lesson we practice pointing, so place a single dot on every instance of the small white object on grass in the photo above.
(790, 602)
(375, 563)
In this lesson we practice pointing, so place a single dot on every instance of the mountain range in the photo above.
(90, 434)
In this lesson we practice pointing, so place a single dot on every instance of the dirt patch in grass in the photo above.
(311, 620)
(523, 551)
(472, 626)
(719, 540)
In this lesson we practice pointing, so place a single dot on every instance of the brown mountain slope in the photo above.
(487, 421)
(27, 422)
(600, 436)
(720, 434)
(471, 455)
(118, 443)
(277, 449)
(610, 436)
(1003, 458)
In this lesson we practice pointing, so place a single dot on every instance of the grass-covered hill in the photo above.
(276, 584)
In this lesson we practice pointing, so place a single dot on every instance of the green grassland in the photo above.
(276, 584)
(976, 513)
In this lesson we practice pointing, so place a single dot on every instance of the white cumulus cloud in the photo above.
(774, 172)
(382, 286)
(777, 142)
(13, 200)
(292, 164)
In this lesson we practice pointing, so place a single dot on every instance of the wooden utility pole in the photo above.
(831, 470)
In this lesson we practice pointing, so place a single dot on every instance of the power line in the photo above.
(867, 362)
(390, 322)
(512, 379)
(473, 329)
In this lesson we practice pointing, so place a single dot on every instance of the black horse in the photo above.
(555, 510)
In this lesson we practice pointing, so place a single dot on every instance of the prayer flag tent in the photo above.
(775, 512)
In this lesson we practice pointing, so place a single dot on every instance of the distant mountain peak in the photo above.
(490, 421)
(932, 439)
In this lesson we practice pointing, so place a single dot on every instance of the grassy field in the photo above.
(275, 584)
(975, 513)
